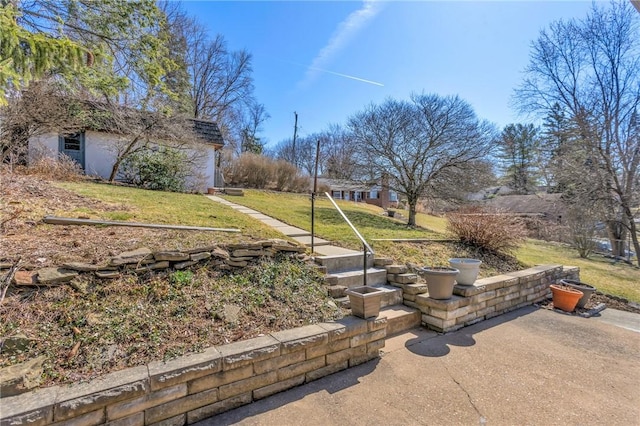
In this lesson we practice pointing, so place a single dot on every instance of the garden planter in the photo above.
(587, 289)
(440, 281)
(469, 269)
(564, 297)
(365, 301)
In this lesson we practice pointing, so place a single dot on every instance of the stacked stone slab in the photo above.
(143, 260)
(399, 276)
(194, 387)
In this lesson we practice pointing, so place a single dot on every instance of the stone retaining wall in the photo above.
(490, 297)
(194, 387)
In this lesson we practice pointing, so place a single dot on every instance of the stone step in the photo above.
(234, 191)
(343, 262)
(400, 318)
(392, 296)
(349, 279)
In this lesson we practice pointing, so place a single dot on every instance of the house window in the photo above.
(393, 196)
(373, 194)
(336, 194)
(72, 142)
(346, 195)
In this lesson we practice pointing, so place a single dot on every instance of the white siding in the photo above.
(43, 145)
(100, 156)
(100, 153)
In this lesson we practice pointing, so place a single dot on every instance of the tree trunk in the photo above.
(634, 232)
(412, 213)
(114, 169)
(122, 156)
(617, 235)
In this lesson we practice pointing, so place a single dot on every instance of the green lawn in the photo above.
(139, 205)
(295, 210)
(619, 279)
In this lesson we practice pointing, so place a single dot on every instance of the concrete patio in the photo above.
(530, 366)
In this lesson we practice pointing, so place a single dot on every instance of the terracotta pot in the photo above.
(469, 269)
(587, 289)
(564, 297)
(365, 301)
(440, 281)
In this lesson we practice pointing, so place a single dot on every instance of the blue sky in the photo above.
(476, 50)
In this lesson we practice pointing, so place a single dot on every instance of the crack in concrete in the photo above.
(483, 419)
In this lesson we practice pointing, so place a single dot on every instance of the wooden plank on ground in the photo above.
(55, 220)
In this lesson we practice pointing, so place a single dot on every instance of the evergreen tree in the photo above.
(519, 147)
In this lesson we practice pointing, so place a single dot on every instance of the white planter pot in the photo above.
(469, 269)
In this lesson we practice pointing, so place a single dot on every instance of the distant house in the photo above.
(369, 192)
(549, 207)
(94, 147)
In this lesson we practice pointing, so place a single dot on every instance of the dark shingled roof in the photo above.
(208, 131)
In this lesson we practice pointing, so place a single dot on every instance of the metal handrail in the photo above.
(365, 246)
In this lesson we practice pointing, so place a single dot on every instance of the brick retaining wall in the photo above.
(197, 386)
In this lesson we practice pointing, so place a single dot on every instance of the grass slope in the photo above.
(295, 210)
(139, 205)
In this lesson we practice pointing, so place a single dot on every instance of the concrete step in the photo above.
(334, 251)
(306, 240)
(349, 279)
(400, 318)
(392, 297)
(343, 262)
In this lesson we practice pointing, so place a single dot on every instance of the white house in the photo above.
(96, 150)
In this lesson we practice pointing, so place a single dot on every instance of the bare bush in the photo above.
(260, 172)
(489, 230)
(61, 168)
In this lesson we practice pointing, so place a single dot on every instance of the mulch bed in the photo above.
(611, 302)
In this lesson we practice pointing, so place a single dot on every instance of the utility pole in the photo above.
(295, 133)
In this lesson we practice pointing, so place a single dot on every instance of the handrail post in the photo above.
(364, 270)
(366, 248)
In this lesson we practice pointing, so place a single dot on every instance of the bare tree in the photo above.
(421, 143)
(140, 130)
(591, 69)
(44, 108)
(220, 78)
(304, 154)
(253, 117)
(338, 153)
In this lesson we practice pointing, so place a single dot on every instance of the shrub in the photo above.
(257, 171)
(250, 170)
(489, 230)
(163, 169)
(61, 168)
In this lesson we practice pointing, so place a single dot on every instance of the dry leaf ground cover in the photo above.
(94, 326)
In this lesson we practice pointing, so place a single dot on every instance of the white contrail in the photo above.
(344, 32)
(346, 76)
